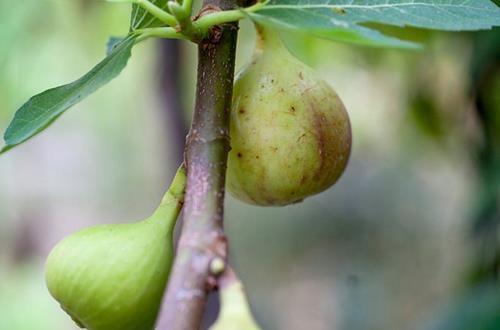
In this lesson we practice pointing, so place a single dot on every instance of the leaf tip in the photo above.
(5, 149)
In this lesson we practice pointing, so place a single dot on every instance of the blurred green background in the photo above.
(407, 234)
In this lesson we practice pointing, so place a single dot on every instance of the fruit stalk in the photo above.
(202, 238)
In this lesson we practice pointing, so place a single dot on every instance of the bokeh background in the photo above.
(407, 239)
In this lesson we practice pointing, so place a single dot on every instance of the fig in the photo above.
(290, 133)
(234, 312)
(112, 277)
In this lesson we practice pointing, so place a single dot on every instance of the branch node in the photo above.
(217, 266)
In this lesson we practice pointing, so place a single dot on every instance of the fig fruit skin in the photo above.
(235, 312)
(290, 133)
(111, 277)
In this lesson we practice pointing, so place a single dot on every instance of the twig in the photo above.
(202, 238)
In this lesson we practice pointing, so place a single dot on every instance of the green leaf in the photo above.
(112, 43)
(340, 19)
(42, 109)
(141, 19)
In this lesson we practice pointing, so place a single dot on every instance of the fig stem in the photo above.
(187, 5)
(153, 9)
(175, 192)
(267, 39)
(186, 25)
(182, 26)
(205, 23)
(159, 32)
(171, 203)
(202, 237)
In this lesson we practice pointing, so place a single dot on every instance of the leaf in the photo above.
(112, 43)
(141, 19)
(340, 19)
(42, 109)
(350, 33)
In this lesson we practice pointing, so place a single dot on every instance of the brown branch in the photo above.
(202, 238)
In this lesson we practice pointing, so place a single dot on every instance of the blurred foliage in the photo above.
(24, 303)
(479, 309)
(388, 247)
(485, 87)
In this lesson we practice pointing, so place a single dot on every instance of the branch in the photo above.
(202, 237)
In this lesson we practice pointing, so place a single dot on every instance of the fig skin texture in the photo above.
(290, 133)
(235, 313)
(112, 277)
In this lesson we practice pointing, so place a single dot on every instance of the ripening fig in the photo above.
(112, 277)
(234, 312)
(290, 133)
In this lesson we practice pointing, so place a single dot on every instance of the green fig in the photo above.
(112, 277)
(290, 133)
(235, 312)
